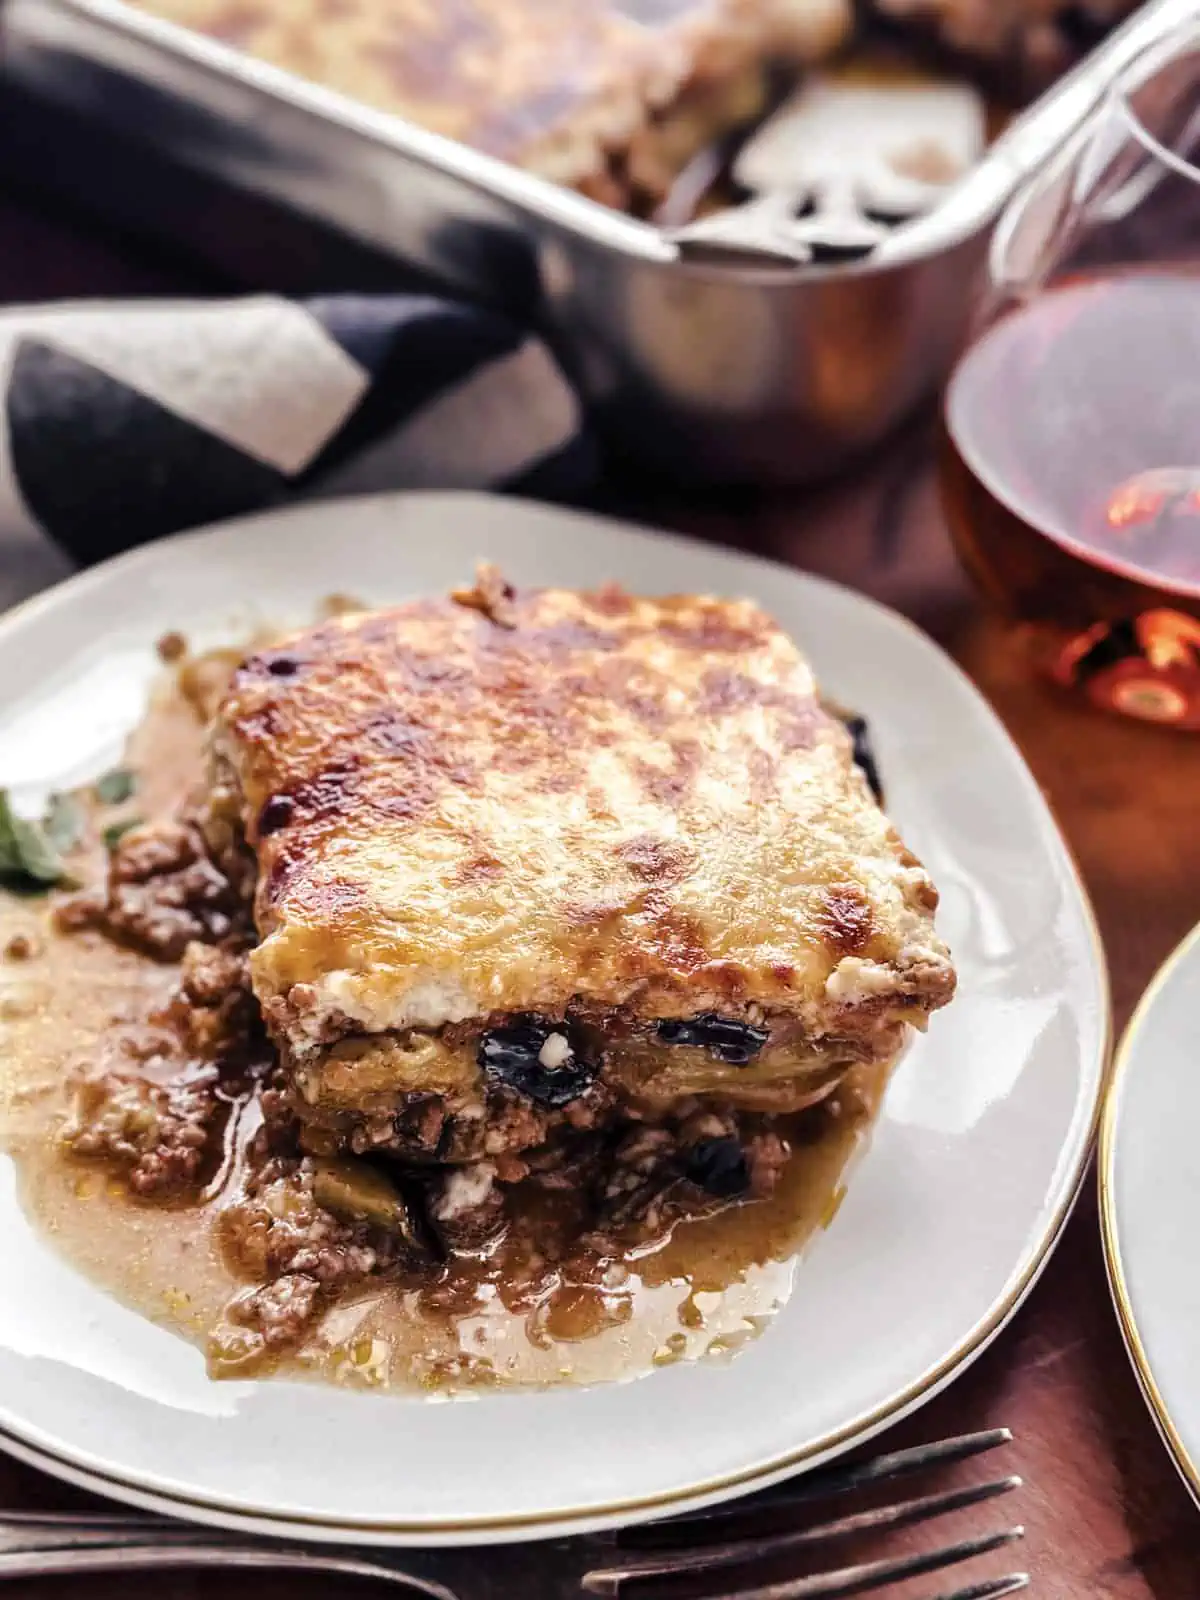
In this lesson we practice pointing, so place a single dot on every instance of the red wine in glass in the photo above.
(1071, 478)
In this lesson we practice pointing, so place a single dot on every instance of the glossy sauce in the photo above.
(711, 1287)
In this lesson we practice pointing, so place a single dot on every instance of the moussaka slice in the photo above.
(536, 864)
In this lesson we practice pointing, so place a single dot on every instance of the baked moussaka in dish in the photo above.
(508, 928)
(610, 97)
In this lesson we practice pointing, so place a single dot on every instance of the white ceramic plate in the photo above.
(1150, 1200)
(949, 1217)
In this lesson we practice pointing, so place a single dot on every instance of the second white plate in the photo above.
(973, 1168)
(1150, 1201)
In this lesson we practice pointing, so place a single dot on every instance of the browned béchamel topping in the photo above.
(578, 803)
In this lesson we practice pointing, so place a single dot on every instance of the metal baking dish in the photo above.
(710, 369)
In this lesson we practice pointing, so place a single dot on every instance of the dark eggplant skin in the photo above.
(864, 754)
(728, 1040)
(509, 1055)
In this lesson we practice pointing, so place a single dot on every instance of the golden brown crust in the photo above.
(596, 802)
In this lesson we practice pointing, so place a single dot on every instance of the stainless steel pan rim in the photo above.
(973, 203)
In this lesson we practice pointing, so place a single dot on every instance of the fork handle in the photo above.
(162, 1554)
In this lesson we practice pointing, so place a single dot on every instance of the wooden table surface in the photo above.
(1107, 1518)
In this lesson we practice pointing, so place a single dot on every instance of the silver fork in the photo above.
(735, 1539)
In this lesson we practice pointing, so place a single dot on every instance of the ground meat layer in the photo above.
(299, 1256)
(165, 889)
(158, 1135)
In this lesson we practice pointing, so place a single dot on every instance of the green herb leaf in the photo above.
(116, 831)
(115, 787)
(64, 822)
(8, 844)
(27, 855)
(39, 858)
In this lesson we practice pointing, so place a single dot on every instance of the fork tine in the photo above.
(842, 1479)
(875, 1574)
(707, 1558)
(851, 1580)
(991, 1588)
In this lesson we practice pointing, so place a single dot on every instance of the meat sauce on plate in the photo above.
(136, 1100)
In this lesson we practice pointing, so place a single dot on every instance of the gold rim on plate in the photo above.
(1188, 1469)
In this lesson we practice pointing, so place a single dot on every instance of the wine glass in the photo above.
(1071, 440)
